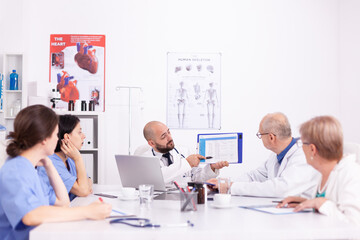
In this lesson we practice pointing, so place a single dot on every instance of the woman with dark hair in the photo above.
(67, 158)
(25, 200)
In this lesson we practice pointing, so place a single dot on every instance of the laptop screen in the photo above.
(137, 170)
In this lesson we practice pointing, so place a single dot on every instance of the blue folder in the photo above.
(220, 136)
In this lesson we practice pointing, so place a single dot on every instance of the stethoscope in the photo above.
(145, 223)
(153, 152)
(135, 222)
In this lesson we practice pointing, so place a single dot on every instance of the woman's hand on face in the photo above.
(68, 148)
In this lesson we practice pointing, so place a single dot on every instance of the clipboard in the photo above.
(220, 147)
(271, 209)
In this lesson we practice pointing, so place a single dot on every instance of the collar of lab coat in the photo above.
(293, 150)
(281, 155)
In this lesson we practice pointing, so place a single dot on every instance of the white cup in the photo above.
(222, 200)
(128, 192)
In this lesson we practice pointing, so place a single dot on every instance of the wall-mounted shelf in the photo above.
(89, 150)
(78, 113)
(13, 100)
(13, 91)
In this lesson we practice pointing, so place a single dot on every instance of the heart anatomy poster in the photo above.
(193, 92)
(77, 69)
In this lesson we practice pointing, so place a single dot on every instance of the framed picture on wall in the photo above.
(77, 70)
(193, 90)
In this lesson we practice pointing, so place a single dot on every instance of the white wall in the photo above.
(11, 26)
(276, 56)
(349, 68)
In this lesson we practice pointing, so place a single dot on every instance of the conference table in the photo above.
(209, 222)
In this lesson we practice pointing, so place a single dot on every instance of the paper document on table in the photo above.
(274, 210)
(221, 147)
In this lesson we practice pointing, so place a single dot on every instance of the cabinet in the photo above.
(90, 152)
(11, 100)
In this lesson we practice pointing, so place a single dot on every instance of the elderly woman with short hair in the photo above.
(338, 193)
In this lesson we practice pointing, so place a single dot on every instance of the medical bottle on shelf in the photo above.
(17, 107)
(71, 106)
(14, 80)
(91, 105)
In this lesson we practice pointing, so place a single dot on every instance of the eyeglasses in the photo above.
(260, 134)
(301, 143)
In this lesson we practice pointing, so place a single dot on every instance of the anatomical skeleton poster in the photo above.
(77, 69)
(193, 91)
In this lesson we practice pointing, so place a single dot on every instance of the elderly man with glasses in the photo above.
(285, 173)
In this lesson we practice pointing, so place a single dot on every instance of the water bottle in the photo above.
(14, 81)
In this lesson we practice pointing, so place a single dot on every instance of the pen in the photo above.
(105, 195)
(288, 202)
(117, 211)
(178, 187)
(192, 200)
(210, 184)
(208, 157)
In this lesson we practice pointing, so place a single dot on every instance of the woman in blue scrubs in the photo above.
(24, 200)
(67, 158)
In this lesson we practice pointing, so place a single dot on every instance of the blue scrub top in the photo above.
(68, 177)
(21, 191)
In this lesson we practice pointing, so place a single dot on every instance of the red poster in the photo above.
(77, 69)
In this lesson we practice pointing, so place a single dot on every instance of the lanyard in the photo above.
(153, 152)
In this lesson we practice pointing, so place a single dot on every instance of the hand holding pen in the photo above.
(212, 184)
(97, 210)
(290, 202)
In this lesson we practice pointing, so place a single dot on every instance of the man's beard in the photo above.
(169, 146)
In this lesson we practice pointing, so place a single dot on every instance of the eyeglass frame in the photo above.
(300, 143)
(259, 135)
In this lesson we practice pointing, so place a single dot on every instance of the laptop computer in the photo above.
(137, 170)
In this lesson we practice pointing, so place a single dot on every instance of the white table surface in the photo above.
(210, 223)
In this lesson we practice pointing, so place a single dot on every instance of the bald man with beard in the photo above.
(174, 165)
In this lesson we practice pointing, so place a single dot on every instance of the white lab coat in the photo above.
(294, 177)
(343, 191)
(180, 170)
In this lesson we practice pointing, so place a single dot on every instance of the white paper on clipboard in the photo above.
(221, 147)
